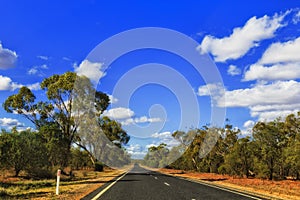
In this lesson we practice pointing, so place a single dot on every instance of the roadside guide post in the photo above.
(57, 181)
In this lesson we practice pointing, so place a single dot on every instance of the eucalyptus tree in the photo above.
(71, 113)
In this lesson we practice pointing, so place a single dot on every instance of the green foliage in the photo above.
(271, 152)
(80, 159)
(58, 121)
(23, 150)
(157, 156)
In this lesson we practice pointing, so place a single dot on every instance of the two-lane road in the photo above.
(143, 184)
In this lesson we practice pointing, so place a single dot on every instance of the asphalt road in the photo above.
(143, 184)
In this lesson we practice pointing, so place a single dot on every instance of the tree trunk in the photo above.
(93, 160)
(17, 172)
(195, 164)
(271, 170)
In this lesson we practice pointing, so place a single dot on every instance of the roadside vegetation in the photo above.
(81, 184)
(271, 151)
(30, 158)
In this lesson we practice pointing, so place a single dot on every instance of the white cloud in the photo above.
(242, 39)
(249, 124)
(265, 101)
(8, 58)
(92, 70)
(37, 70)
(281, 92)
(151, 145)
(281, 61)
(32, 71)
(215, 90)
(136, 151)
(272, 115)
(34, 86)
(119, 113)
(43, 57)
(282, 52)
(145, 119)
(10, 123)
(139, 120)
(112, 99)
(126, 116)
(233, 70)
(7, 84)
(247, 127)
(211, 89)
(66, 58)
(284, 71)
(164, 137)
(296, 18)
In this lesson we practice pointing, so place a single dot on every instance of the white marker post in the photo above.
(57, 181)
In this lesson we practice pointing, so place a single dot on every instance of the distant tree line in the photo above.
(272, 151)
(56, 142)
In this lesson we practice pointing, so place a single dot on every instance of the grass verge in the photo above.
(83, 183)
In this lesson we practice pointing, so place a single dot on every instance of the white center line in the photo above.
(155, 177)
(166, 183)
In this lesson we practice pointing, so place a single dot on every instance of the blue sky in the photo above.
(253, 44)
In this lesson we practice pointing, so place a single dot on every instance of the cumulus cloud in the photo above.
(164, 137)
(136, 151)
(242, 39)
(119, 113)
(247, 127)
(8, 58)
(281, 92)
(233, 70)
(10, 123)
(6, 84)
(281, 61)
(265, 101)
(249, 124)
(112, 99)
(282, 52)
(139, 120)
(211, 89)
(34, 86)
(280, 71)
(92, 70)
(127, 117)
(215, 90)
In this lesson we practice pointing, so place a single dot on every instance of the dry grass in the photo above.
(84, 183)
(285, 189)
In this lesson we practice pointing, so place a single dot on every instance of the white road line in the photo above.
(228, 190)
(166, 183)
(107, 188)
(155, 177)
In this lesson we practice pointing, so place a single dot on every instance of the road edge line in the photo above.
(109, 186)
(252, 195)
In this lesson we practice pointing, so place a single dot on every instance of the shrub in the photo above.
(99, 167)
